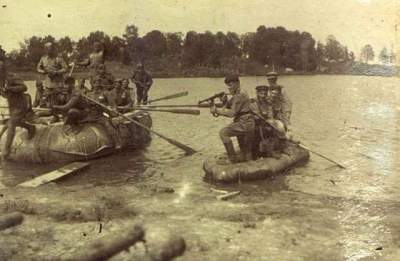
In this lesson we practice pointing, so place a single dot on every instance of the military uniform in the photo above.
(243, 121)
(143, 81)
(19, 107)
(120, 99)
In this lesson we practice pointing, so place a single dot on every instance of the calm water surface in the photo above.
(352, 119)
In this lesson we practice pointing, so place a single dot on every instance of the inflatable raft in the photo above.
(61, 143)
(219, 169)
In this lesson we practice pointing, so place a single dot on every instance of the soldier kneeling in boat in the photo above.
(119, 98)
(272, 109)
(20, 108)
(242, 127)
(79, 110)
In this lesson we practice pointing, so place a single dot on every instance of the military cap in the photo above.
(231, 78)
(272, 75)
(261, 88)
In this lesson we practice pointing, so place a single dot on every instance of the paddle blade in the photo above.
(172, 96)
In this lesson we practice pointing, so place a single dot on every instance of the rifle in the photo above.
(211, 100)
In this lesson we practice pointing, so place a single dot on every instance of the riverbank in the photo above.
(120, 70)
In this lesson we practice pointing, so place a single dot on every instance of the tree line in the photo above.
(267, 47)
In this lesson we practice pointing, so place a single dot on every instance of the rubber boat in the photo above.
(61, 143)
(219, 169)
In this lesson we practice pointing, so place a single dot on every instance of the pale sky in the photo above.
(353, 22)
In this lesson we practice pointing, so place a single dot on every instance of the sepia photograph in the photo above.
(184, 130)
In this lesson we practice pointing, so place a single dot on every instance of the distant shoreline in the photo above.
(124, 71)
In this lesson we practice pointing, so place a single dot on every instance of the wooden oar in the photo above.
(169, 97)
(299, 144)
(177, 111)
(182, 106)
(188, 150)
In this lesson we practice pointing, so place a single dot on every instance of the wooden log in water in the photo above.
(55, 174)
(109, 247)
(170, 249)
(10, 220)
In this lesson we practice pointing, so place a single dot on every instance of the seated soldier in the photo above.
(130, 88)
(119, 98)
(266, 140)
(80, 110)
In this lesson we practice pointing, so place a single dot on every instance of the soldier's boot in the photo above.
(247, 148)
(230, 150)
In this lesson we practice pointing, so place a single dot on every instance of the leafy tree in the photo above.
(384, 56)
(156, 43)
(174, 43)
(367, 53)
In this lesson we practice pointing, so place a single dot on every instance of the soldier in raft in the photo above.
(130, 88)
(119, 98)
(106, 78)
(282, 106)
(266, 138)
(53, 68)
(95, 59)
(79, 110)
(242, 127)
(20, 108)
(143, 81)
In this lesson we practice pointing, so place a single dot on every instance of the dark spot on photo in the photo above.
(48, 15)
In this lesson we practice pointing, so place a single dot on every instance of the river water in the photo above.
(351, 119)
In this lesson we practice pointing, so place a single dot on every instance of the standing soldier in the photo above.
(143, 82)
(19, 107)
(53, 68)
(282, 106)
(95, 59)
(242, 127)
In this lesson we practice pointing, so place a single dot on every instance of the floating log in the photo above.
(10, 220)
(109, 247)
(169, 250)
(55, 174)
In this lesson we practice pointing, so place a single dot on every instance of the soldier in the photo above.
(19, 107)
(95, 59)
(143, 82)
(242, 127)
(282, 106)
(130, 88)
(119, 98)
(78, 110)
(53, 68)
(266, 138)
(106, 78)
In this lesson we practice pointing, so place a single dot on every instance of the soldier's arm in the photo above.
(232, 111)
(40, 67)
(70, 104)
(64, 67)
